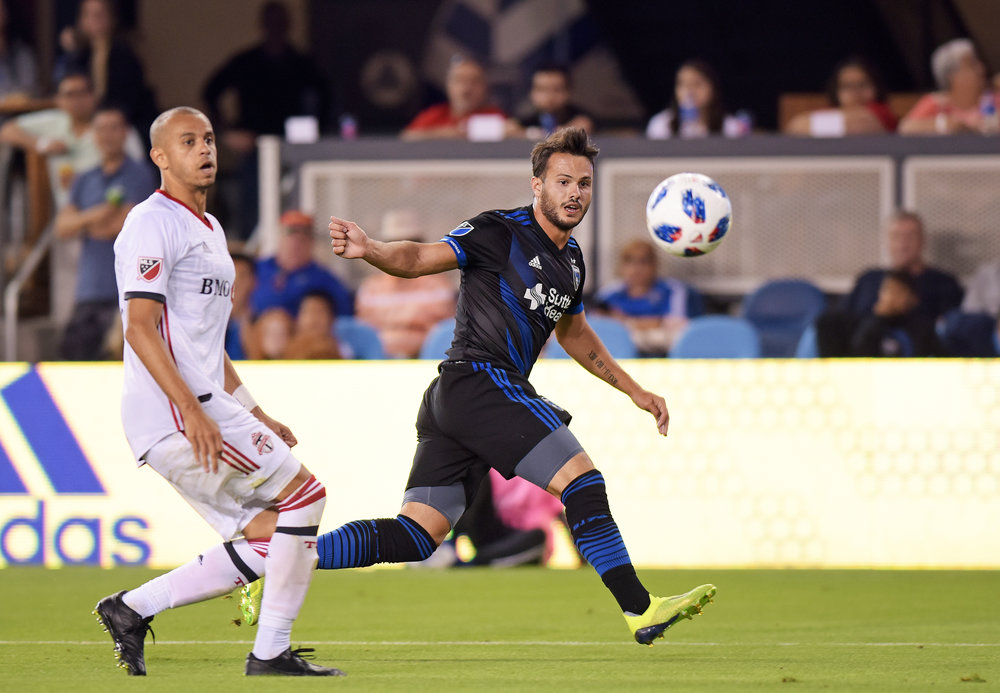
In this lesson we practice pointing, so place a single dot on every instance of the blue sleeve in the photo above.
(483, 241)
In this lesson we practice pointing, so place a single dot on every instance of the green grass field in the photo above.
(531, 629)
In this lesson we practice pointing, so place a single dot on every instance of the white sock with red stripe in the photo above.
(214, 573)
(290, 562)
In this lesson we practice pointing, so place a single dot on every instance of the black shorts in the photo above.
(474, 417)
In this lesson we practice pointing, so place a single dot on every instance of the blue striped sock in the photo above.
(597, 538)
(367, 542)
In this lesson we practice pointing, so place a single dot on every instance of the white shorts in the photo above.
(255, 466)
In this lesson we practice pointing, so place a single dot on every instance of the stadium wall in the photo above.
(768, 463)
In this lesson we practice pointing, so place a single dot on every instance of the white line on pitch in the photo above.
(501, 643)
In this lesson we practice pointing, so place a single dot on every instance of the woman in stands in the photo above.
(858, 100)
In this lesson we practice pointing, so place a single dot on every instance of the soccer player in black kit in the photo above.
(522, 278)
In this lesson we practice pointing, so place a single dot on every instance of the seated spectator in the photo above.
(937, 291)
(403, 311)
(551, 105)
(982, 293)
(858, 99)
(282, 280)
(957, 106)
(696, 107)
(467, 90)
(313, 337)
(270, 334)
(895, 328)
(98, 203)
(238, 333)
(18, 78)
(269, 82)
(655, 310)
(94, 47)
(64, 134)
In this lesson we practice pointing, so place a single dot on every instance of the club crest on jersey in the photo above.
(576, 278)
(461, 229)
(149, 268)
(262, 442)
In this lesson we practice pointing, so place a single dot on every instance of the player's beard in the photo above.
(550, 211)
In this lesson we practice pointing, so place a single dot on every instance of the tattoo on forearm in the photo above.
(602, 369)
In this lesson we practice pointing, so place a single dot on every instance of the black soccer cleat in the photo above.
(288, 663)
(128, 631)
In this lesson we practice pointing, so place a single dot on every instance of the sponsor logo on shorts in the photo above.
(149, 268)
(262, 442)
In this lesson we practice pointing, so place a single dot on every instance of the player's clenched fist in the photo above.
(347, 238)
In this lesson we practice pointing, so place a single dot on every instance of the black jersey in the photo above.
(516, 284)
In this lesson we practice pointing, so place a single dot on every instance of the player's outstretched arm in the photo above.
(233, 383)
(142, 316)
(398, 258)
(580, 341)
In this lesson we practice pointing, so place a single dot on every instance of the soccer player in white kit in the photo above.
(187, 415)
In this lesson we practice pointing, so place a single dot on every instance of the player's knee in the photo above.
(304, 506)
(424, 542)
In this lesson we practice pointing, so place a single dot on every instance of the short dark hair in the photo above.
(559, 68)
(323, 296)
(573, 141)
(246, 259)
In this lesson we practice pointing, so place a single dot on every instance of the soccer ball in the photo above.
(688, 214)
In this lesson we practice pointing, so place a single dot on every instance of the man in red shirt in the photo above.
(468, 94)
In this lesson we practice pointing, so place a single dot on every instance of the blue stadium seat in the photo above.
(717, 337)
(613, 333)
(808, 346)
(361, 338)
(781, 310)
(438, 340)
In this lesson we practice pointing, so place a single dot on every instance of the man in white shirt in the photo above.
(188, 416)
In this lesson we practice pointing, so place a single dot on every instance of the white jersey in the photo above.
(167, 253)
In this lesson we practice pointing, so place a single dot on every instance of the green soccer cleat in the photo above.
(250, 597)
(664, 612)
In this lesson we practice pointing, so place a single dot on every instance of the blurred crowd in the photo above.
(91, 132)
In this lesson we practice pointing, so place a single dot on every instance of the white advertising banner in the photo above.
(768, 463)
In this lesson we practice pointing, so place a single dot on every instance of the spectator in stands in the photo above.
(958, 105)
(98, 203)
(270, 334)
(94, 47)
(696, 107)
(402, 310)
(937, 291)
(64, 134)
(655, 310)
(271, 81)
(467, 90)
(551, 105)
(239, 331)
(313, 334)
(858, 99)
(896, 328)
(282, 280)
(18, 77)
